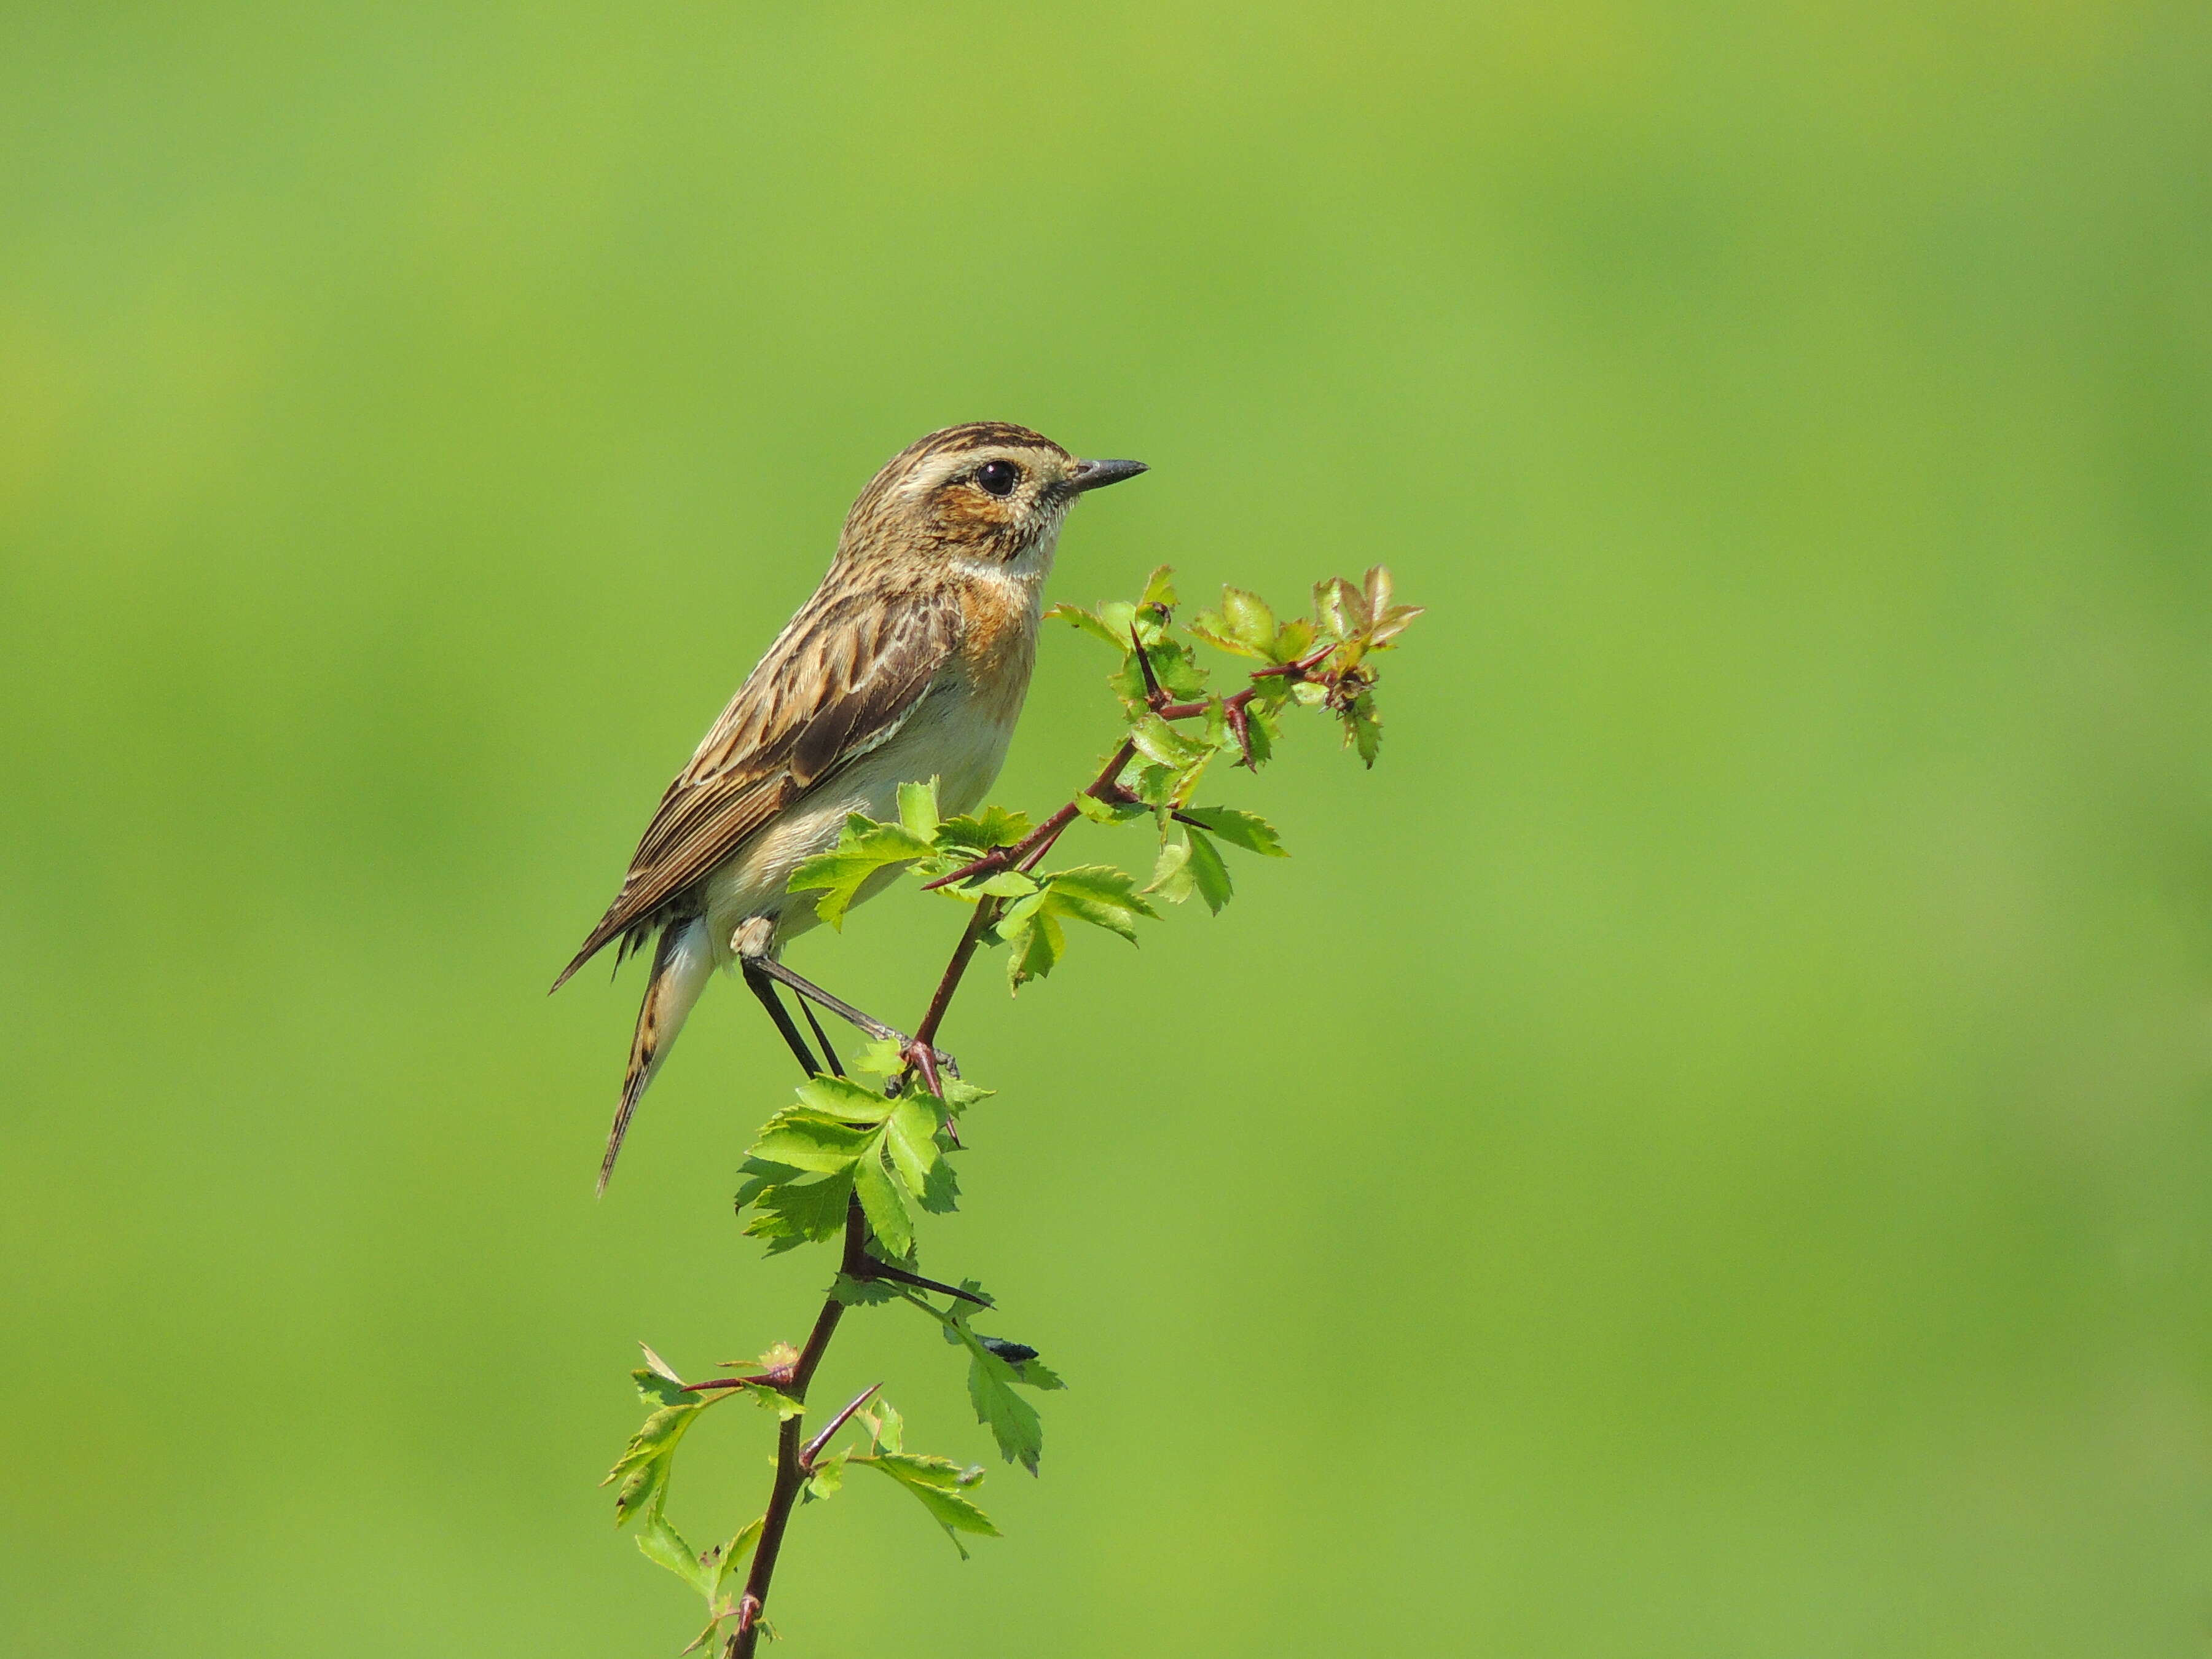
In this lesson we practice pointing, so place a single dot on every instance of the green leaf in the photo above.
(791, 1213)
(1156, 740)
(917, 810)
(889, 1218)
(1178, 674)
(827, 1477)
(642, 1468)
(940, 1194)
(996, 827)
(1208, 873)
(1007, 883)
(960, 1095)
(1013, 1421)
(1156, 786)
(1036, 944)
(1363, 726)
(1260, 732)
(1036, 1374)
(939, 1483)
(1076, 615)
(1339, 607)
(862, 1292)
(734, 1552)
(1244, 830)
(863, 850)
(658, 1387)
(843, 1099)
(1297, 638)
(1171, 877)
(1159, 587)
(1248, 619)
(1100, 895)
(910, 1136)
(811, 1141)
(662, 1544)
(880, 1058)
(886, 1428)
(1101, 812)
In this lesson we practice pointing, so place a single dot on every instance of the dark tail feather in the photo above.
(680, 969)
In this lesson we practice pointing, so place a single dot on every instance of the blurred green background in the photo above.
(1704, 1152)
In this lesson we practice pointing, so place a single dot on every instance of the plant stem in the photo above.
(790, 1459)
(792, 1455)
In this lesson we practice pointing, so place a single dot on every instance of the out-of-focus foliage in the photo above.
(1716, 1159)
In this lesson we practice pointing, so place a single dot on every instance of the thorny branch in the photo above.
(793, 1457)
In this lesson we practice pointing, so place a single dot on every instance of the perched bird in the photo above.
(910, 662)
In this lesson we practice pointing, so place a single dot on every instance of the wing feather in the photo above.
(842, 678)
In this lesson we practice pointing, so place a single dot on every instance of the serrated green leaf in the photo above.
(1246, 829)
(808, 1139)
(1156, 786)
(1007, 883)
(937, 1483)
(734, 1552)
(1107, 812)
(842, 1098)
(1035, 946)
(880, 1058)
(1013, 1421)
(1339, 607)
(996, 827)
(886, 1428)
(664, 1545)
(910, 1136)
(917, 810)
(884, 1204)
(1036, 1374)
(960, 1095)
(862, 1292)
(1076, 615)
(659, 1389)
(1208, 873)
(827, 1477)
(1219, 631)
(1307, 695)
(1159, 587)
(789, 1213)
(941, 1194)
(1171, 877)
(1178, 674)
(642, 1469)
(863, 850)
(1158, 741)
(1100, 895)
(1248, 618)
(1296, 639)
(1363, 728)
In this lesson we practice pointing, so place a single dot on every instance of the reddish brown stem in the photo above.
(793, 1458)
(790, 1467)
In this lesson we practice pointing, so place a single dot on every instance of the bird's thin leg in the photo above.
(761, 986)
(809, 990)
(821, 1036)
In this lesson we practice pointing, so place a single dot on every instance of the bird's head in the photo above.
(986, 493)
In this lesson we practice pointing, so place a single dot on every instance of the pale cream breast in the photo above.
(954, 735)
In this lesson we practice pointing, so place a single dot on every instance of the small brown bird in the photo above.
(910, 662)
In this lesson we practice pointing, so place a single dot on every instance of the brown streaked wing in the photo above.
(841, 679)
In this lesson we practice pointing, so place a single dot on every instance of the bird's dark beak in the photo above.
(1096, 475)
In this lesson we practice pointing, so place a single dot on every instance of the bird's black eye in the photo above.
(999, 477)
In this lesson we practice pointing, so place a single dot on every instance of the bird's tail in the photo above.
(681, 967)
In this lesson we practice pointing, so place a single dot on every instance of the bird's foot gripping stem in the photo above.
(931, 1063)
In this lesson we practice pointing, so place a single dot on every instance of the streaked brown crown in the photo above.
(987, 489)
